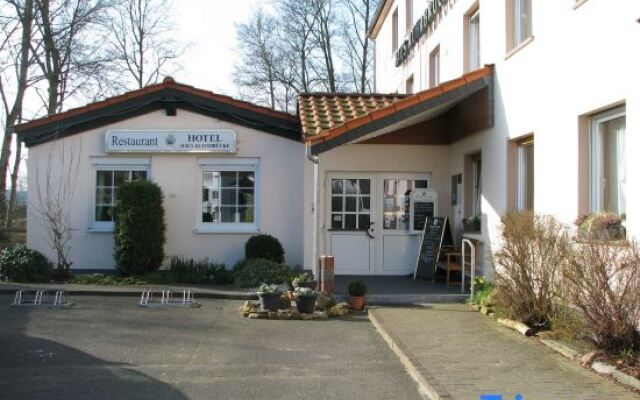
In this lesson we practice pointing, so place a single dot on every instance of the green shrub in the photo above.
(183, 270)
(264, 246)
(139, 231)
(357, 288)
(108, 279)
(21, 264)
(483, 292)
(253, 272)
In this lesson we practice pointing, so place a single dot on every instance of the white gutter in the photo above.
(314, 233)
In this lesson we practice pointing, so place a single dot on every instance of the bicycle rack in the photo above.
(167, 299)
(40, 298)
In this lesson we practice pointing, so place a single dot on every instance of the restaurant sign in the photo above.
(419, 29)
(196, 141)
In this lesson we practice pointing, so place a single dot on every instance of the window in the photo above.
(608, 162)
(229, 193)
(434, 67)
(525, 175)
(409, 15)
(519, 22)
(473, 40)
(350, 204)
(476, 165)
(395, 211)
(394, 31)
(108, 180)
(409, 85)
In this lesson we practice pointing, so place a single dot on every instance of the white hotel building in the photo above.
(491, 105)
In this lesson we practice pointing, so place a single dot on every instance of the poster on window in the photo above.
(171, 141)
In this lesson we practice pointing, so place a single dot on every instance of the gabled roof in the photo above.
(169, 95)
(352, 127)
(320, 112)
(381, 12)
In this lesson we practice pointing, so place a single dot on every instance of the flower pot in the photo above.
(474, 226)
(306, 304)
(269, 301)
(357, 303)
(311, 285)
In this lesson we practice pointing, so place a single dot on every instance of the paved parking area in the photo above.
(107, 348)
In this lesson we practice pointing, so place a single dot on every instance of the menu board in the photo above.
(421, 211)
(436, 232)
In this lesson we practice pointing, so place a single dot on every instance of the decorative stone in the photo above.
(320, 315)
(306, 317)
(324, 301)
(284, 315)
(588, 358)
(272, 315)
(485, 310)
(295, 314)
(338, 311)
(248, 307)
(603, 368)
(256, 316)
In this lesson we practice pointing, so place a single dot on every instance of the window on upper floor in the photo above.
(409, 15)
(472, 56)
(525, 177)
(519, 16)
(434, 67)
(409, 85)
(394, 31)
(608, 161)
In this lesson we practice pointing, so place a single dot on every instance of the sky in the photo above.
(209, 26)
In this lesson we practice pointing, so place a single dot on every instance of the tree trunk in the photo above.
(14, 184)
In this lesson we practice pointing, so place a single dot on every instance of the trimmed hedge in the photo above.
(21, 264)
(253, 272)
(139, 232)
(266, 247)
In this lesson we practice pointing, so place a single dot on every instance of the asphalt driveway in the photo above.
(107, 348)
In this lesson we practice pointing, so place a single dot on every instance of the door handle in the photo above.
(370, 230)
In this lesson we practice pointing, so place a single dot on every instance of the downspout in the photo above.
(314, 233)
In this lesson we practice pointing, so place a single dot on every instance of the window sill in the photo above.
(100, 229)
(519, 47)
(205, 230)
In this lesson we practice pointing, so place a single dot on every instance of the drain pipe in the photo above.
(314, 234)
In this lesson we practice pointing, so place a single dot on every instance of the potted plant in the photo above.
(269, 296)
(305, 300)
(472, 224)
(357, 291)
(603, 226)
(304, 280)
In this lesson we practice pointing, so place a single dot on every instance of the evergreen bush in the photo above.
(21, 264)
(266, 247)
(253, 272)
(139, 231)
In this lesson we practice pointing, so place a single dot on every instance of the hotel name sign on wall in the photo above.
(419, 29)
(207, 141)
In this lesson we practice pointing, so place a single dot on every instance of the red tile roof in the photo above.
(167, 83)
(326, 116)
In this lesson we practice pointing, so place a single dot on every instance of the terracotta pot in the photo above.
(357, 303)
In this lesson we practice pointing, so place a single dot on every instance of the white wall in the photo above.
(581, 60)
(280, 188)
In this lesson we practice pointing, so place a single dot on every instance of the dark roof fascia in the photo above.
(146, 103)
(376, 16)
(454, 95)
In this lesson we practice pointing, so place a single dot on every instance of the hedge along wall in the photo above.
(139, 231)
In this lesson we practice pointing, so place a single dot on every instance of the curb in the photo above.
(131, 293)
(427, 384)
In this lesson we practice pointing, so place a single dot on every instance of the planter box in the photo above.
(269, 301)
(306, 304)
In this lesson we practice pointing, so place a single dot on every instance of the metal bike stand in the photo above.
(39, 298)
(167, 299)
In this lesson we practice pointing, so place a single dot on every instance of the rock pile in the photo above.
(325, 308)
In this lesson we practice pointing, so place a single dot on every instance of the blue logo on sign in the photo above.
(499, 397)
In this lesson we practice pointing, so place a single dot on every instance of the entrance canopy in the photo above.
(437, 116)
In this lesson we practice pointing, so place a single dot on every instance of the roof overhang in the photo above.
(169, 96)
(440, 115)
(381, 12)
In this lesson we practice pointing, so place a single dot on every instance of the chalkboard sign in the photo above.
(435, 234)
(421, 211)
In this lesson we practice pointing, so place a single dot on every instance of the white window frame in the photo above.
(434, 67)
(231, 164)
(522, 30)
(111, 164)
(473, 47)
(596, 189)
(522, 173)
(408, 16)
(395, 32)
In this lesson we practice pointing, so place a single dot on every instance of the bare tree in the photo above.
(324, 18)
(68, 53)
(16, 60)
(14, 185)
(141, 45)
(54, 197)
(259, 59)
(357, 49)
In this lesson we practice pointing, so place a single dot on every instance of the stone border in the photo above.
(426, 382)
(251, 310)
